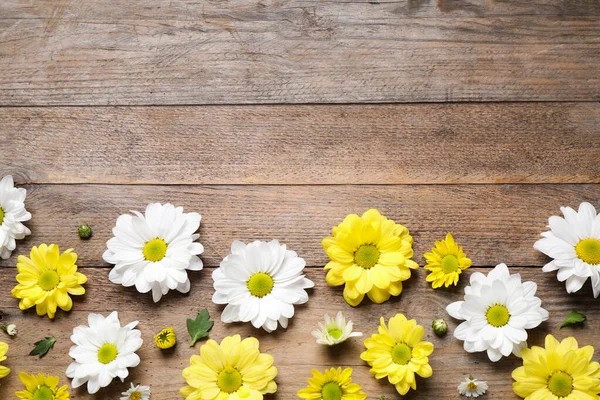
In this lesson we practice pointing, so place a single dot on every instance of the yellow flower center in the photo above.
(366, 256)
(401, 354)
(155, 250)
(471, 386)
(1, 215)
(43, 393)
(560, 384)
(48, 280)
(497, 315)
(335, 333)
(260, 284)
(229, 380)
(331, 391)
(449, 264)
(589, 251)
(135, 396)
(107, 353)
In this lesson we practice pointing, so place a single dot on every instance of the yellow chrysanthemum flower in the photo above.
(4, 371)
(370, 255)
(231, 370)
(446, 262)
(165, 339)
(399, 353)
(47, 279)
(42, 387)
(560, 371)
(334, 384)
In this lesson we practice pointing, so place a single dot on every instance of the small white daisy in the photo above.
(154, 250)
(103, 351)
(472, 387)
(260, 282)
(497, 310)
(334, 331)
(136, 393)
(574, 244)
(12, 216)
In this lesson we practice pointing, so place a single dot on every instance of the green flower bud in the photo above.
(440, 327)
(85, 232)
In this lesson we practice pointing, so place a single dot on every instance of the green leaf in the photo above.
(43, 346)
(573, 318)
(198, 328)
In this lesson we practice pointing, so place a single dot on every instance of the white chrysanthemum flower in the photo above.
(334, 331)
(471, 387)
(497, 310)
(136, 393)
(574, 244)
(260, 282)
(154, 250)
(103, 350)
(12, 216)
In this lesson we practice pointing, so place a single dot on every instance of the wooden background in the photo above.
(275, 119)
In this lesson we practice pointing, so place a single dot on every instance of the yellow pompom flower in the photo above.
(334, 384)
(165, 339)
(47, 279)
(560, 371)
(233, 369)
(4, 371)
(399, 353)
(42, 387)
(446, 262)
(370, 255)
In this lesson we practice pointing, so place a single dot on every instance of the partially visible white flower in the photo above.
(497, 310)
(103, 351)
(10, 329)
(260, 282)
(574, 244)
(12, 216)
(472, 387)
(154, 250)
(334, 331)
(136, 393)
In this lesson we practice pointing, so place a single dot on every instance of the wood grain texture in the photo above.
(294, 350)
(308, 53)
(494, 223)
(323, 144)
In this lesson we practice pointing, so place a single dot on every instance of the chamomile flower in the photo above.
(574, 244)
(136, 393)
(370, 255)
(471, 387)
(153, 250)
(47, 279)
(4, 371)
(561, 370)
(398, 352)
(103, 351)
(497, 310)
(333, 384)
(334, 331)
(12, 216)
(260, 283)
(232, 370)
(42, 387)
(446, 262)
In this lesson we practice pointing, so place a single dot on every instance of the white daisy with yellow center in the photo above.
(12, 216)
(260, 283)
(334, 331)
(574, 244)
(136, 393)
(103, 351)
(153, 250)
(497, 310)
(472, 387)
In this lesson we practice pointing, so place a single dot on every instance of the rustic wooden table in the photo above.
(263, 116)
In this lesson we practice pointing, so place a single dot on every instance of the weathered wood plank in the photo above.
(304, 144)
(494, 223)
(305, 54)
(294, 350)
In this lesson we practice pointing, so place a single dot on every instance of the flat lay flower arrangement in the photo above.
(263, 284)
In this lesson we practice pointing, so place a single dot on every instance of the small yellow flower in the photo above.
(334, 384)
(370, 255)
(446, 262)
(165, 339)
(42, 387)
(559, 371)
(47, 279)
(4, 371)
(399, 353)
